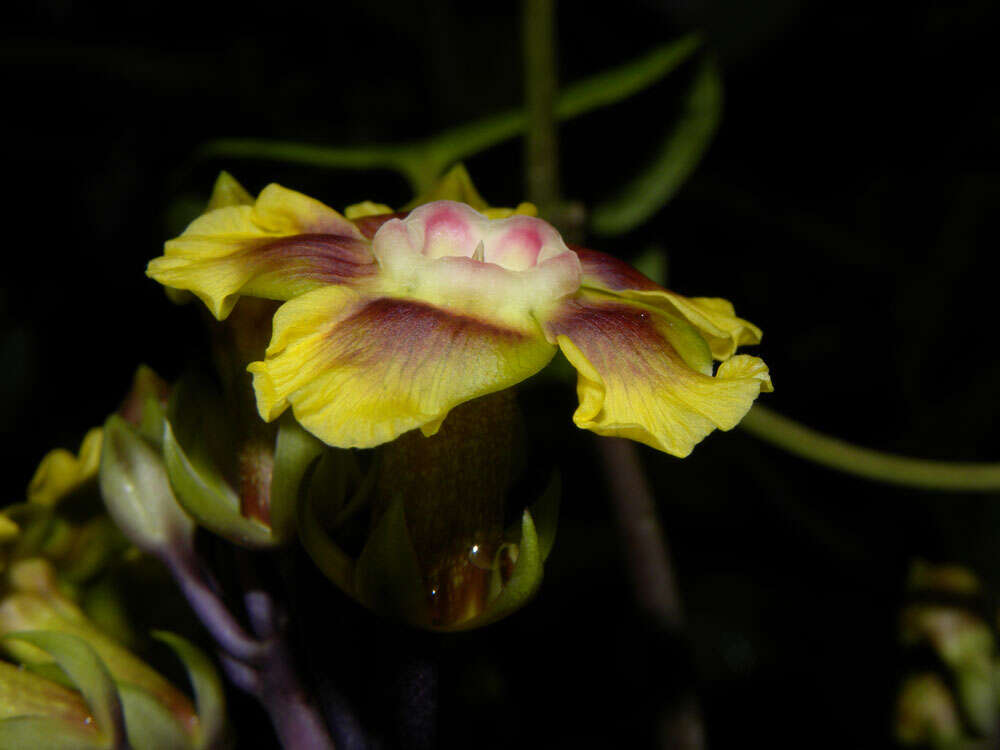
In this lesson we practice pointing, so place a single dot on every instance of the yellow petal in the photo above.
(633, 382)
(8, 529)
(282, 245)
(228, 192)
(453, 185)
(366, 208)
(60, 472)
(523, 209)
(715, 318)
(359, 371)
(457, 185)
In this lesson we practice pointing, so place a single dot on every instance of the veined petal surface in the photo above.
(282, 245)
(715, 318)
(359, 370)
(634, 382)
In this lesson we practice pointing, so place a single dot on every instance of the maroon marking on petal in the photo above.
(327, 258)
(415, 336)
(611, 272)
(614, 337)
(368, 225)
(404, 326)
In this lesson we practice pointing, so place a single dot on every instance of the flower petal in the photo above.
(228, 192)
(60, 472)
(283, 245)
(359, 371)
(635, 383)
(715, 318)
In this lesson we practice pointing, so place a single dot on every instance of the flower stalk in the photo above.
(870, 464)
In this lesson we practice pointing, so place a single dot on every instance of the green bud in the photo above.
(239, 484)
(153, 708)
(422, 537)
(926, 713)
(85, 670)
(966, 644)
(137, 492)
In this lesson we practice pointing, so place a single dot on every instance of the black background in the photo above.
(847, 207)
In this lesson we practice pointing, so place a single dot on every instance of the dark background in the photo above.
(847, 206)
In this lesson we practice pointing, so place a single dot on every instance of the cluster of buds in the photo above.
(957, 705)
(72, 677)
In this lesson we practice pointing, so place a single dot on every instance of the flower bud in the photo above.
(137, 492)
(926, 713)
(36, 712)
(239, 483)
(152, 705)
(423, 538)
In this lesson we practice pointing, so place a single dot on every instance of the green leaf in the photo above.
(88, 673)
(148, 724)
(522, 586)
(605, 89)
(677, 157)
(422, 162)
(42, 733)
(209, 694)
(387, 577)
(295, 450)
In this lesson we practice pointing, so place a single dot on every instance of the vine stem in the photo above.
(259, 664)
(680, 724)
(871, 464)
(538, 33)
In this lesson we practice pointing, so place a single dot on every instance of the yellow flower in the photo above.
(390, 320)
(60, 472)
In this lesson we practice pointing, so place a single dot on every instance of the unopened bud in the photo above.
(137, 492)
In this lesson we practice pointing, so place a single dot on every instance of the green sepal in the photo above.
(209, 694)
(205, 493)
(89, 675)
(332, 561)
(295, 450)
(522, 586)
(43, 733)
(387, 577)
(148, 724)
(150, 425)
(545, 515)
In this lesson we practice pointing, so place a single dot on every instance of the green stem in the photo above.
(422, 162)
(406, 159)
(541, 153)
(884, 467)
